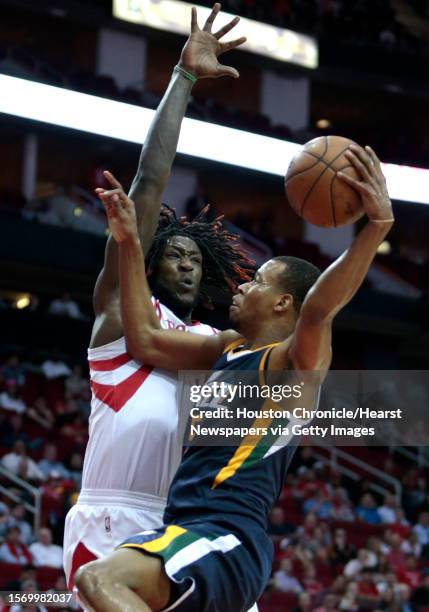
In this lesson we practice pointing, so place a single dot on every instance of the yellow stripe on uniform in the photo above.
(242, 453)
(248, 444)
(171, 533)
(233, 345)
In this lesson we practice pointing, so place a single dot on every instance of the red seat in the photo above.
(8, 573)
(47, 577)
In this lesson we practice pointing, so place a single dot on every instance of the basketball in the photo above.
(313, 188)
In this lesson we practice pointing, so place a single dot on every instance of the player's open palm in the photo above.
(202, 49)
(121, 212)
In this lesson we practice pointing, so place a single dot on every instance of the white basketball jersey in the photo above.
(134, 441)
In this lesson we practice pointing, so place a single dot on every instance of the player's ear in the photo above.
(283, 303)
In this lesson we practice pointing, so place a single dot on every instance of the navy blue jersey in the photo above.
(232, 485)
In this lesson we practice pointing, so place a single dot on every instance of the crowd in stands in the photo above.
(44, 411)
(339, 544)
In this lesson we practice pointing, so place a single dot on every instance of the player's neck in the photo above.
(265, 336)
(183, 315)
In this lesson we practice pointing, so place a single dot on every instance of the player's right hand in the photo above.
(202, 48)
(120, 210)
(372, 186)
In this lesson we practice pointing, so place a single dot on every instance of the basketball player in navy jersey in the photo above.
(213, 553)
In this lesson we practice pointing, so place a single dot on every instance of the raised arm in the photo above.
(310, 348)
(198, 60)
(146, 340)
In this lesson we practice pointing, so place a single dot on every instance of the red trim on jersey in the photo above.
(104, 365)
(116, 396)
(81, 556)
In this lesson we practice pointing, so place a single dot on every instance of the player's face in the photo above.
(179, 274)
(255, 300)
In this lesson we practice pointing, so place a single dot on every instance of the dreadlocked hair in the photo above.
(225, 264)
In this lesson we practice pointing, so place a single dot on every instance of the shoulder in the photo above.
(228, 338)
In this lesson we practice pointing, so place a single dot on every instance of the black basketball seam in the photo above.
(323, 172)
(326, 146)
(301, 171)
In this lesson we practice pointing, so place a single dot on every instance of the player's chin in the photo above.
(187, 299)
(234, 317)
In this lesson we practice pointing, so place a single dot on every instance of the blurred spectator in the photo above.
(401, 524)
(284, 580)
(27, 573)
(40, 413)
(320, 505)
(410, 545)
(11, 400)
(78, 429)
(277, 523)
(44, 552)
(341, 505)
(17, 519)
(4, 520)
(357, 565)
(367, 591)
(396, 555)
(50, 463)
(76, 385)
(304, 603)
(28, 587)
(422, 530)
(84, 402)
(21, 465)
(305, 532)
(13, 430)
(367, 510)
(349, 599)
(13, 370)
(310, 582)
(341, 550)
(65, 307)
(13, 550)
(329, 604)
(404, 593)
(59, 587)
(55, 367)
(420, 597)
(75, 469)
(410, 574)
(387, 512)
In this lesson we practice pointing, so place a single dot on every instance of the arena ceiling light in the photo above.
(128, 122)
(268, 40)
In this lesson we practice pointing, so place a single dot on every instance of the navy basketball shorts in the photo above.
(212, 569)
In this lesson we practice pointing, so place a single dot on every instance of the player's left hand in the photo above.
(203, 47)
(372, 186)
(120, 209)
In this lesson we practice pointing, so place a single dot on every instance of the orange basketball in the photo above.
(313, 188)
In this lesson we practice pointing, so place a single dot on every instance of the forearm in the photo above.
(159, 149)
(139, 319)
(153, 171)
(339, 283)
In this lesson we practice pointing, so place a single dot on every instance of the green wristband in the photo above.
(188, 75)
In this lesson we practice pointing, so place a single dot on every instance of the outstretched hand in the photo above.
(372, 186)
(120, 210)
(202, 48)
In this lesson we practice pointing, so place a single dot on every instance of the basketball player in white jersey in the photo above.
(134, 449)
